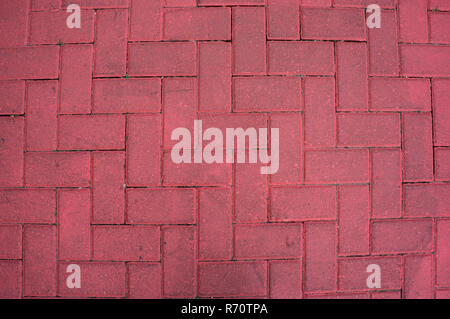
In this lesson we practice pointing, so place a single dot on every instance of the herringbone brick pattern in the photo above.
(86, 176)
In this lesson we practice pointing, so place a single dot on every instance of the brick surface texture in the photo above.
(86, 175)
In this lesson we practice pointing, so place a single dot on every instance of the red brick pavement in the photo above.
(86, 176)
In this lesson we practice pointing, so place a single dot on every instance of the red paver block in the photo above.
(179, 266)
(260, 94)
(353, 219)
(353, 272)
(111, 42)
(303, 203)
(11, 239)
(51, 28)
(362, 130)
(99, 4)
(214, 77)
(413, 21)
(425, 60)
(320, 122)
(285, 279)
(93, 132)
(383, 48)
(144, 280)
(352, 76)
(386, 183)
(126, 243)
(427, 200)
(74, 217)
(179, 3)
(249, 40)
(143, 150)
(10, 279)
(39, 62)
(320, 254)
(315, 3)
(161, 206)
(108, 187)
(441, 111)
(162, 58)
(57, 169)
(222, 121)
(419, 277)
(127, 95)
(337, 166)
(197, 24)
(227, 120)
(300, 58)
(45, 4)
(250, 193)
(291, 144)
(13, 23)
(398, 236)
(179, 107)
(27, 205)
(145, 20)
(13, 97)
(11, 151)
(41, 115)
(442, 164)
(333, 24)
(339, 295)
(39, 260)
(394, 94)
(98, 279)
(439, 27)
(215, 233)
(267, 241)
(191, 174)
(283, 19)
(442, 253)
(364, 3)
(232, 279)
(396, 294)
(76, 79)
(442, 5)
(229, 2)
(417, 147)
